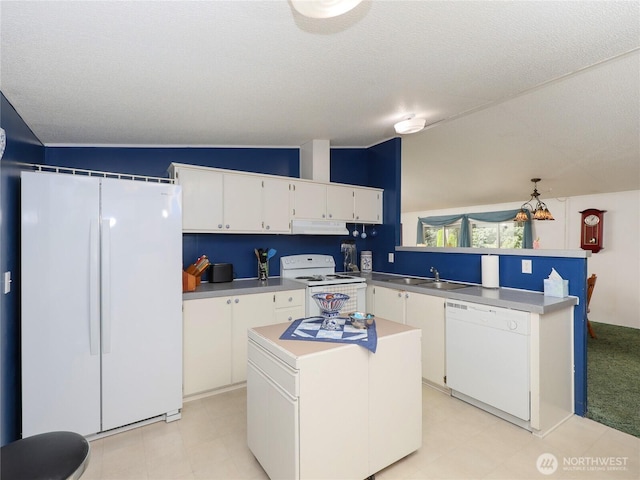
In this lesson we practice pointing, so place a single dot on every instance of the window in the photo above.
(446, 236)
(496, 235)
(483, 235)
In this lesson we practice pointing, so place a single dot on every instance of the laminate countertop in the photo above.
(524, 300)
(243, 286)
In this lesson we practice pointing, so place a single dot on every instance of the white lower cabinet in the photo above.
(425, 312)
(215, 334)
(389, 303)
(248, 311)
(207, 344)
(278, 414)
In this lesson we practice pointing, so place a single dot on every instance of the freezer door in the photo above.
(141, 235)
(60, 372)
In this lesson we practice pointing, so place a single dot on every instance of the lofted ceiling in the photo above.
(512, 89)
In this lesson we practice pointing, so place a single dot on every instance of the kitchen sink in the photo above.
(408, 280)
(443, 285)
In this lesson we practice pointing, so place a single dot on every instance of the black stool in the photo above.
(48, 456)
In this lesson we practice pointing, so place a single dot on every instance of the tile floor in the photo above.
(459, 442)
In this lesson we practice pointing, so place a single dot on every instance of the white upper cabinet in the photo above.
(340, 203)
(309, 200)
(276, 210)
(367, 205)
(201, 198)
(227, 201)
(242, 203)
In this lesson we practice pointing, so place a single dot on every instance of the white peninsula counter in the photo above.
(319, 410)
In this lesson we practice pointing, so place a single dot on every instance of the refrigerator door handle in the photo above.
(105, 300)
(94, 300)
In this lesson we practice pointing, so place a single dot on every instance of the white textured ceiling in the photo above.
(257, 73)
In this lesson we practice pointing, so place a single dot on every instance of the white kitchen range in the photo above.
(318, 273)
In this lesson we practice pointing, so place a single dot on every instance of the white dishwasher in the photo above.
(487, 358)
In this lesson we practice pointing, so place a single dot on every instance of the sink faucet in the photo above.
(436, 274)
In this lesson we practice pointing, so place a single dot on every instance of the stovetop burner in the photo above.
(313, 278)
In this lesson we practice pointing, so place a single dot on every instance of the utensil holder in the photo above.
(263, 270)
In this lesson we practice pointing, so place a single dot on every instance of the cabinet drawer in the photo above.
(289, 314)
(280, 373)
(291, 298)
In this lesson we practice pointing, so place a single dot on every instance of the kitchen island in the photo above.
(333, 410)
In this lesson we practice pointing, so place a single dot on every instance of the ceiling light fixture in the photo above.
(324, 8)
(410, 124)
(540, 212)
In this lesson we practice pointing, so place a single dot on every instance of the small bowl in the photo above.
(361, 319)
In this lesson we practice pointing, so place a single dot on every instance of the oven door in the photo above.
(356, 303)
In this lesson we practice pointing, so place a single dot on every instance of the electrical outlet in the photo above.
(526, 266)
(391, 258)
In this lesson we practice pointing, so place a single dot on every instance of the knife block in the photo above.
(190, 281)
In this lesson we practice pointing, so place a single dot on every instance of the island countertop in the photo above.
(291, 350)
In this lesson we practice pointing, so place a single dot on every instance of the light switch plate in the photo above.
(7, 282)
(526, 266)
(391, 258)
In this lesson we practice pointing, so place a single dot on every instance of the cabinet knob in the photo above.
(268, 227)
(237, 300)
(406, 295)
(226, 226)
(399, 294)
(291, 299)
(229, 302)
(219, 225)
(290, 318)
(323, 215)
(331, 215)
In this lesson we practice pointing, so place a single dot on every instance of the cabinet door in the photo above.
(207, 344)
(275, 205)
(389, 303)
(310, 200)
(426, 312)
(368, 205)
(242, 203)
(340, 203)
(272, 426)
(248, 311)
(201, 199)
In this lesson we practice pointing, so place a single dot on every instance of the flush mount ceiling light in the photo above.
(539, 212)
(324, 8)
(410, 125)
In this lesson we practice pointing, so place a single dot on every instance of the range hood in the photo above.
(318, 227)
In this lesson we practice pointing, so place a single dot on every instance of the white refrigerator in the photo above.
(101, 302)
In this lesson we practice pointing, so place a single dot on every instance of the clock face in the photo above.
(591, 220)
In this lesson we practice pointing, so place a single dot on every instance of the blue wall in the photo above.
(375, 166)
(24, 147)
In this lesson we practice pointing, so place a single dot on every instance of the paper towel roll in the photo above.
(490, 271)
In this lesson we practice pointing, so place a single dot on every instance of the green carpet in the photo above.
(613, 377)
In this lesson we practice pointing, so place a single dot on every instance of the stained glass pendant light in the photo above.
(539, 212)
